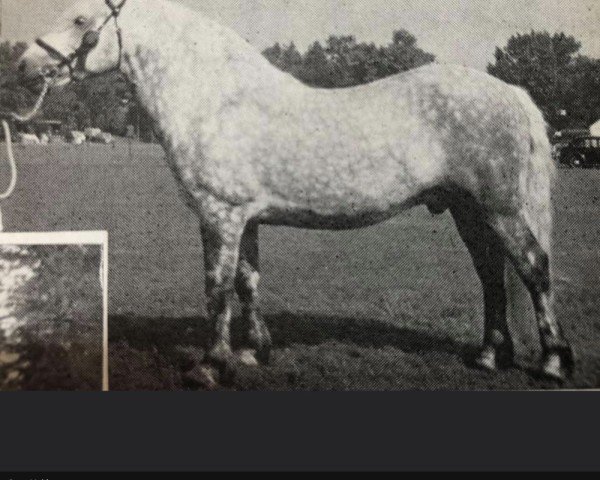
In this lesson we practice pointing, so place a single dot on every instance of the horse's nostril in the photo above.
(22, 66)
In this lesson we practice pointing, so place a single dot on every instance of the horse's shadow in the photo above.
(287, 329)
(156, 353)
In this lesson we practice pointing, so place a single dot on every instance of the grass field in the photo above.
(391, 307)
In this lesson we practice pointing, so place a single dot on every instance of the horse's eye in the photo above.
(80, 21)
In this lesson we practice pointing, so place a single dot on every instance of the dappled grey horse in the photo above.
(250, 145)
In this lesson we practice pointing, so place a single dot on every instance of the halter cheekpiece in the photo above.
(76, 60)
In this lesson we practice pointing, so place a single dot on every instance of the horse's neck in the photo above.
(186, 67)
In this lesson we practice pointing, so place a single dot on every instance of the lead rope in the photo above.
(13, 170)
(9, 147)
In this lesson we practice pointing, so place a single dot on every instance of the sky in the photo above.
(456, 31)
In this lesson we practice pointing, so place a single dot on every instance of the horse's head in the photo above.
(88, 40)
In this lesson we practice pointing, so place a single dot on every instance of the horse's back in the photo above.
(397, 136)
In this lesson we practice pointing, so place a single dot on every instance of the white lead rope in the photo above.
(13, 170)
(9, 147)
(13, 165)
(38, 104)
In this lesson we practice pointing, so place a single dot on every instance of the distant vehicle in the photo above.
(92, 133)
(565, 136)
(582, 152)
(28, 139)
(96, 135)
(103, 137)
(76, 138)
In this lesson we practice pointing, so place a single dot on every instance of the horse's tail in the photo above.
(536, 180)
(537, 176)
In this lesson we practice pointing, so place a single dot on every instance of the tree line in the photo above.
(563, 82)
(345, 62)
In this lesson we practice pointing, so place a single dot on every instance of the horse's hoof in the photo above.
(220, 355)
(552, 368)
(247, 358)
(202, 376)
(487, 360)
(558, 364)
(493, 359)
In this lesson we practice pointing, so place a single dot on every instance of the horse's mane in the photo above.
(189, 28)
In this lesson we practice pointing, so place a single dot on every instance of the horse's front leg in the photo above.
(246, 285)
(221, 249)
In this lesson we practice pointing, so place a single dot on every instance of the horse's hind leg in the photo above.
(533, 266)
(246, 285)
(488, 257)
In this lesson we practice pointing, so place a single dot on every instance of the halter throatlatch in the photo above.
(75, 62)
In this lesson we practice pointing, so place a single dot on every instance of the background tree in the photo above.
(317, 70)
(581, 95)
(12, 96)
(550, 67)
(345, 62)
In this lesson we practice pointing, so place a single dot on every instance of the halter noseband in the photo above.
(76, 60)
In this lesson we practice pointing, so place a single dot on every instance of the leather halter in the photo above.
(76, 60)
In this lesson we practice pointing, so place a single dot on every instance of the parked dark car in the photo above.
(582, 152)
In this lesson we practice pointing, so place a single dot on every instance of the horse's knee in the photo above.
(219, 293)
